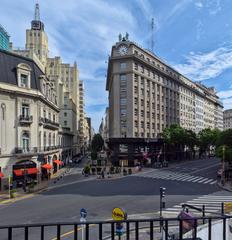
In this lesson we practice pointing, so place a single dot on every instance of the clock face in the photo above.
(123, 50)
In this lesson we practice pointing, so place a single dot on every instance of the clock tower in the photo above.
(36, 37)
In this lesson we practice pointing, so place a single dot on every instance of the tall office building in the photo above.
(146, 95)
(227, 119)
(36, 37)
(64, 76)
(4, 39)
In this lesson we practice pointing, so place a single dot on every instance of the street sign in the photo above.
(83, 213)
(119, 229)
(119, 214)
(227, 207)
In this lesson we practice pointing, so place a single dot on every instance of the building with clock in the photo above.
(146, 95)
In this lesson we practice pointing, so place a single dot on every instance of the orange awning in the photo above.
(58, 162)
(18, 172)
(1, 175)
(32, 170)
(47, 166)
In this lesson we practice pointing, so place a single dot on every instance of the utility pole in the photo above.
(223, 165)
(152, 34)
(162, 205)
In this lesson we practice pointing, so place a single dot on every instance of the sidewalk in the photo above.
(121, 175)
(20, 194)
(227, 186)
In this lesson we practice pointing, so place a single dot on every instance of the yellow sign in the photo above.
(118, 214)
(228, 207)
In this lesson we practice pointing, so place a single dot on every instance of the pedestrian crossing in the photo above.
(175, 176)
(212, 203)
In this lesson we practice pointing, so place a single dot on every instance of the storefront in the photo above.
(132, 151)
(24, 173)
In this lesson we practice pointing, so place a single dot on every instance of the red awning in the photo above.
(1, 175)
(32, 170)
(47, 166)
(18, 172)
(58, 162)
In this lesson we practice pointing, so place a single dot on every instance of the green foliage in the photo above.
(227, 155)
(174, 135)
(225, 138)
(87, 169)
(97, 143)
(207, 137)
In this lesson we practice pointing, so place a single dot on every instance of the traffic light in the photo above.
(162, 192)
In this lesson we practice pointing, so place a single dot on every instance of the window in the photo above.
(25, 142)
(45, 139)
(142, 69)
(44, 113)
(25, 110)
(65, 114)
(49, 140)
(123, 101)
(136, 112)
(122, 66)
(136, 66)
(24, 80)
(65, 123)
(142, 124)
(136, 124)
(142, 113)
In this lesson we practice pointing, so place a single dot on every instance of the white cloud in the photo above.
(202, 66)
(199, 4)
(225, 94)
(214, 6)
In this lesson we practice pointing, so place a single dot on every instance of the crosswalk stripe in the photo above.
(199, 178)
(192, 178)
(213, 182)
(175, 176)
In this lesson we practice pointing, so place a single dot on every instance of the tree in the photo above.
(174, 136)
(97, 143)
(206, 138)
(224, 141)
(225, 138)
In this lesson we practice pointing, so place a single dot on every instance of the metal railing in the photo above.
(25, 119)
(129, 229)
(20, 150)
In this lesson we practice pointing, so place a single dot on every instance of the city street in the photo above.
(137, 194)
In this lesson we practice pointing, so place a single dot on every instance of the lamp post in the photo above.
(223, 165)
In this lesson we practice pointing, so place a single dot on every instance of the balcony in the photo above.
(20, 150)
(25, 119)
(47, 123)
(33, 150)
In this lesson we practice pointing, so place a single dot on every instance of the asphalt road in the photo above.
(63, 201)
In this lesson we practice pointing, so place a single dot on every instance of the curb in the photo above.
(229, 189)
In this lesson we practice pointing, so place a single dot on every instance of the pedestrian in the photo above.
(103, 174)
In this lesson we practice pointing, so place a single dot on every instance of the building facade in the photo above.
(146, 95)
(227, 119)
(29, 119)
(65, 79)
(4, 39)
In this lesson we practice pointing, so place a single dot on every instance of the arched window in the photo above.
(49, 139)
(25, 142)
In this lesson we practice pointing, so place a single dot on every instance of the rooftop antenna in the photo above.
(37, 13)
(152, 34)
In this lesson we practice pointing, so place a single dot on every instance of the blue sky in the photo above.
(194, 36)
